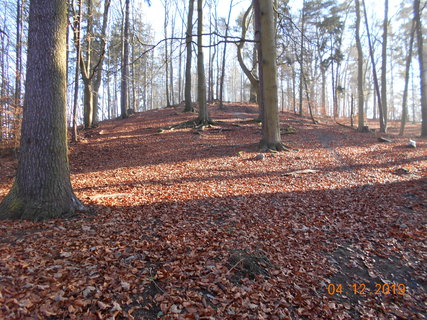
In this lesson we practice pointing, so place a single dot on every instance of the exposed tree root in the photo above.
(17, 206)
(273, 147)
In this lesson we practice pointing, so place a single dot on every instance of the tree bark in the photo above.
(270, 129)
(422, 65)
(42, 187)
(188, 39)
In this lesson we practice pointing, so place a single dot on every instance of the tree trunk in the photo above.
(422, 64)
(323, 93)
(250, 75)
(374, 70)
(407, 70)
(360, 96)
(77, 31)
(86, 70)
(42, 187)
(98, 74)
(301, 59)
(88, 103)
(203, 117)
(165, 30)
(384, 67)
(188, 39)
(18, 60)
(124, 79)
(257, 37)
(270, 126)
(224, 53)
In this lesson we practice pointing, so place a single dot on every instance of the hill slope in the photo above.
(196, 224)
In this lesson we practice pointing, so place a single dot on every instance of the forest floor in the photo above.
(195, 224)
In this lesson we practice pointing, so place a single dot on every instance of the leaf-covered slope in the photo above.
(192, 224)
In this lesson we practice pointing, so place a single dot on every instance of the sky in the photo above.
(155, 12)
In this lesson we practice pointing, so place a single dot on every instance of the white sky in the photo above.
(155, 13)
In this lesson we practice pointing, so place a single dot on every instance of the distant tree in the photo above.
(91, 64)
(99, 64)
(224, 53)
(250, 74)
(18, 60)
(360, 96)
(422, 64)
(77, 32)
(384, 67)
(125, 61)
(407, 70)
(42, 187)
(188, 40)
(268, 82)
(166, 6)
(374, 70)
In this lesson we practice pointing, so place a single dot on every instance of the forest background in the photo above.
(316, 49)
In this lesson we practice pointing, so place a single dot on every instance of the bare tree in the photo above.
(125, 62)
(224, 53)
(374, 70)
(422, 64)
(77, 31)
(188, 39)
(407, 70)
(384, 67)
(360, 96)
(203, 117)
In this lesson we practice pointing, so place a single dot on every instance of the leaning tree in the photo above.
(42, 187)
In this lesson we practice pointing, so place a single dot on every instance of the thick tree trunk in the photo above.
(42, 187)
(422, 64)
(360, 96)
(270, 130)
(124, 79)
(188, 106)
(203, 117)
